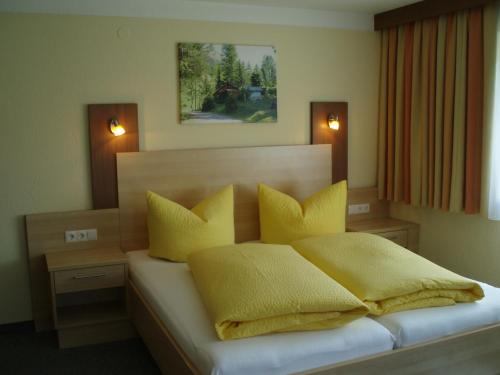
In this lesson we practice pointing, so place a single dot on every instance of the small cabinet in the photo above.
(402, 232)
(89, 296)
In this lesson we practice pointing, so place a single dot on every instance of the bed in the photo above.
(170, 290)
(176, 329)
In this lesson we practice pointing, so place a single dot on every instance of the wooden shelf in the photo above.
(380, 225)
(95, 313)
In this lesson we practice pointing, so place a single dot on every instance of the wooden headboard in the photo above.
(188, 176)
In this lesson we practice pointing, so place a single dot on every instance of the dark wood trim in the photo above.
(104, 146)
(322, 134)
(422, 10)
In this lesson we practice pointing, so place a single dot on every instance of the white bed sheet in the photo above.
(417, 326)
(170, 289)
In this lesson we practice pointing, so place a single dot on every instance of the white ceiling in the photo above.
(357, 6)
(344, 14)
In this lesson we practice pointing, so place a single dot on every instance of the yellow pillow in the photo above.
(175, 231)
(283, 219)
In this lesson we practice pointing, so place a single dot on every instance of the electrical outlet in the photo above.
(80, 235)
(358, 209)
(70, 236)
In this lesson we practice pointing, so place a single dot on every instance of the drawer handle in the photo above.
(94, 276)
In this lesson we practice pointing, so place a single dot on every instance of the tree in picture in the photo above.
(227, 83)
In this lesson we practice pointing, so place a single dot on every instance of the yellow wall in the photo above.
(469, 245)
(52, 66)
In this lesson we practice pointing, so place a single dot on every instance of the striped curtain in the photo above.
(430, 113)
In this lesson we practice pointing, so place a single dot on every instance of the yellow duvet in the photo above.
(253, 289)
(384, 275)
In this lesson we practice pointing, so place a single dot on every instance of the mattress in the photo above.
(417, 326)
(170, 289)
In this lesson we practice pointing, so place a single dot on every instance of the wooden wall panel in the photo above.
(104, 146)
(322, 134)
(45, 234)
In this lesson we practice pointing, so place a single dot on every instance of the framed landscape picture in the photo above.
(227, 83)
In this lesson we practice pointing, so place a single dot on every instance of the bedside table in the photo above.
(89, 296)
(404, 233)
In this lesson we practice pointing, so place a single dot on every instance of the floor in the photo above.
(37, 353)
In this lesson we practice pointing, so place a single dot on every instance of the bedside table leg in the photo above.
(53, 300)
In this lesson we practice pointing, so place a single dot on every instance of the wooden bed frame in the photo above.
(187, 176)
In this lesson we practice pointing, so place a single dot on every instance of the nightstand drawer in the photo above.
(398, 236)
(89, 278)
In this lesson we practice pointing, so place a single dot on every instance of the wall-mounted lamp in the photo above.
(333, 121)
(105, 120)
(326, 121)
(115, 127)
